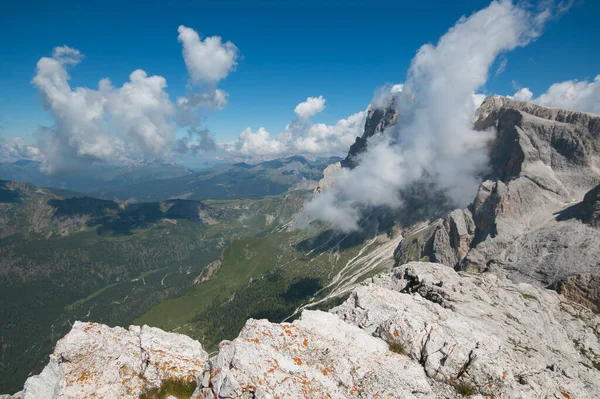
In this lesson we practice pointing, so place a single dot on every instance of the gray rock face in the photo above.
(328, 179)
(508, 340)
(591, 206)
(526, 219)
(530, 135)
(444, 241)
(378, 119)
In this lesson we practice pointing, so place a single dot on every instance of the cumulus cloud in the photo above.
(302, 135)
(320, 138)
(259, 142)
(136, 120)
(571, 94)
(198, 140)
(139, 111)
(208, 60)
(104, 124)
(16, 149)
(215, 100)
(433, 139)
(310, 107)
(523, 94)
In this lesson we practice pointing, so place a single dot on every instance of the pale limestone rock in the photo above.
(94, 360)
(316, 356)
(523, 341)
(508, 340)
(328, 178)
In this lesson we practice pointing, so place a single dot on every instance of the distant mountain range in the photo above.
(157, 182)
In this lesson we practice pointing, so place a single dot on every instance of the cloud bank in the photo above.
(571, 94)
(104, 124)
(301, 135)
(134, 121)
(17, 148)
(433, 138)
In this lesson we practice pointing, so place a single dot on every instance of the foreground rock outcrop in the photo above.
(94, 360)
(420, 331)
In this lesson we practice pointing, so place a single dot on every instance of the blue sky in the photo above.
(342, 50)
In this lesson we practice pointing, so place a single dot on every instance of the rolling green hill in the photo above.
(66, 259)
(273, 276)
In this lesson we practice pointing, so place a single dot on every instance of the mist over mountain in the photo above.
(440, 240)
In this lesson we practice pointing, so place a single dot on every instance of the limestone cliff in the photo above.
(528, 220)
(378, 119)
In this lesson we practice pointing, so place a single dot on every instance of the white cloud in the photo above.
(478, 99)
(67, 55)
(433, 138)
(523, 94)
(301, 136)
(310, 107)
(214, 99)
(502, 66)
(397, 88)
(208, 60)
(257, 143)
(16, 149)
(571, 94)
(320, 138)
(197, 140)
(107, 124)
(383, 95)
(139, 112)
(136, 120)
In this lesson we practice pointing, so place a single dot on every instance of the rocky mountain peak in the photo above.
(378, 119)
(529, 219)
(530, 136)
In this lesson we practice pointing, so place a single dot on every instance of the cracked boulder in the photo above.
(316, 356)
(94, 360)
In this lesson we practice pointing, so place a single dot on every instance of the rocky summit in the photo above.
(420, 331)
